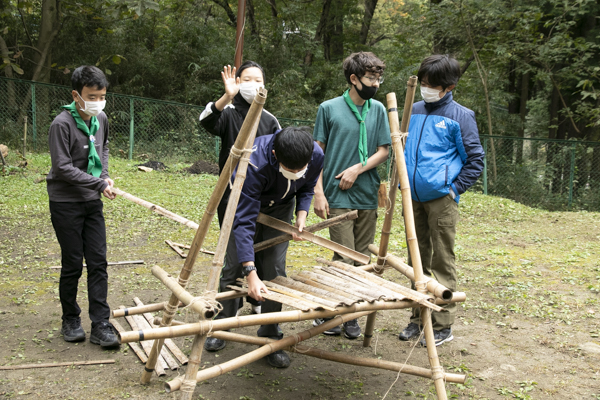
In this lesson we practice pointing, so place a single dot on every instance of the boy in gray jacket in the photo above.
(78, 139)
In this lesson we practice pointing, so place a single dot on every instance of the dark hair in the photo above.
(439, 70)
(360, 63)
(249, 64)
(294, 146)
(88, 76)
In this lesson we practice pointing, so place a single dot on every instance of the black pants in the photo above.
(270, 263)
(81, 232)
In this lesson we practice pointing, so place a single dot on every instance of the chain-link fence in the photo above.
(552, 174)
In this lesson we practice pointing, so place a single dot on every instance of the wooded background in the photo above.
(530, 67)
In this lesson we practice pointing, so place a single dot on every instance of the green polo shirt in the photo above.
(338, 128)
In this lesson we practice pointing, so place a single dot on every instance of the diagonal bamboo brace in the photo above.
(413, 246)
(244, 140)
(328, 244)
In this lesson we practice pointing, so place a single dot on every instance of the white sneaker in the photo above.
(255, 309)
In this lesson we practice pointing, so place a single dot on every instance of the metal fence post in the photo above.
(33, 116)
(572, 175)
(131, 127)
(485, 179)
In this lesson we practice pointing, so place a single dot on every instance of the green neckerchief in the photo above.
(363, 150)
(94, 164)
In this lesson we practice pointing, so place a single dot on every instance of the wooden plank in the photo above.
(134, 346)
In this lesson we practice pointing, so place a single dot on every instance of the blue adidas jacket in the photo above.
(443, 149)
(266, 186)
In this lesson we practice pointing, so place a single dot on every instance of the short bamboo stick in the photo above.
(134, 346)
(412, 241)
(197, 304)
(177, 249)
(260, 319)
(51, 365)
(328, 244)
(313, 228)
(244, 139)
(161, 365)
(182, 358)
(340, 357)
(263, 351)
(433, 286)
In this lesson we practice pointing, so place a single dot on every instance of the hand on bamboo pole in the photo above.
(300, 224)
(255, 286)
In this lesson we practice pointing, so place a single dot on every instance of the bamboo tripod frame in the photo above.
(204, 305)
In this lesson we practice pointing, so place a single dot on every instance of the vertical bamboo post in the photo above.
(245, 139)
(24, 135)
(395, 128)
(415, 255)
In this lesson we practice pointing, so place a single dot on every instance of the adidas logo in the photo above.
(441, 124)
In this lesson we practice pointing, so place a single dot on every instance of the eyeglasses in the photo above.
(373, 79)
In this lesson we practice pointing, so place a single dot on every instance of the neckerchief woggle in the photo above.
(94, 164)
(363, 150)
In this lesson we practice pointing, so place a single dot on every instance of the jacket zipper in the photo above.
(417, 158)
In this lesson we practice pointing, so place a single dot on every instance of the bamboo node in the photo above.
(188, 386)
(437, 373)
(421, 286)
(169, 312)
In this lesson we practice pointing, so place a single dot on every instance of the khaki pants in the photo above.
(356, 234)
(435, 223)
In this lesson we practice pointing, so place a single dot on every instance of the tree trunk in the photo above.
(370, 6)
(49, 27)
(337, 34)
(253, 25)
(230, 14)
(523, 115)
(12, 102)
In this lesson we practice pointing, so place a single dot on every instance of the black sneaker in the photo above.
(72, 330)
(443, 336)
(411, 331)
(351, 329)
(278, 359)
(104, 334)
(214, 344)
(335, 331)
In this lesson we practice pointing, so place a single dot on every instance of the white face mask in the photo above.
(92, 108)
(430, 95)
(292, 176)
(248, 90)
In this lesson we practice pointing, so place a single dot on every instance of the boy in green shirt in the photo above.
(354, 133)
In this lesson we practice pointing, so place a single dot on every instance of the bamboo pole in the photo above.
(134, 346)
(340, 357)
(328, 244)
(182, 358)
(312, 229)
(197, 304)
(257, 319)
(51, 365)
(159, 369)
(263, 351)
(413, 246)
(245, 139)
(433, 286)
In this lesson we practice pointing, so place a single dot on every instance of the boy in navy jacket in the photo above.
(444, 158)
(282, 173)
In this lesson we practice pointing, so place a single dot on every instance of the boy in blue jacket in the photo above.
(444, 158)
(282, 173)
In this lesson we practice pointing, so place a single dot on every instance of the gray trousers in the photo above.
(435, 223)
(270, 263)
(356, 234)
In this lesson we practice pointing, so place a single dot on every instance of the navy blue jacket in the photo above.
(265, 186)
(443, 149)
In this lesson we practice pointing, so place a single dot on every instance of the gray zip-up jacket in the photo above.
(68, 180)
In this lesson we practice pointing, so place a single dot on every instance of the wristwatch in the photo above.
(247, 269)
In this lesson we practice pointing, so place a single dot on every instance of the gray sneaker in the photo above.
(104, 334)
(411, 331)
(335, 331)
(442, 336)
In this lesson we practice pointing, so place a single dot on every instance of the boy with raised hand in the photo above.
(444, 158)
(354, 133)
(78, 141)
(282, 173)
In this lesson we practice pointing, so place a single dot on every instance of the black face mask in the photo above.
(367, 92)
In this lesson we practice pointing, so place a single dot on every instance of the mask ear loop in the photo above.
(84, 102)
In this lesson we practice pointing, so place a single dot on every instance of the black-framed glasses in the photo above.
(372, 79)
